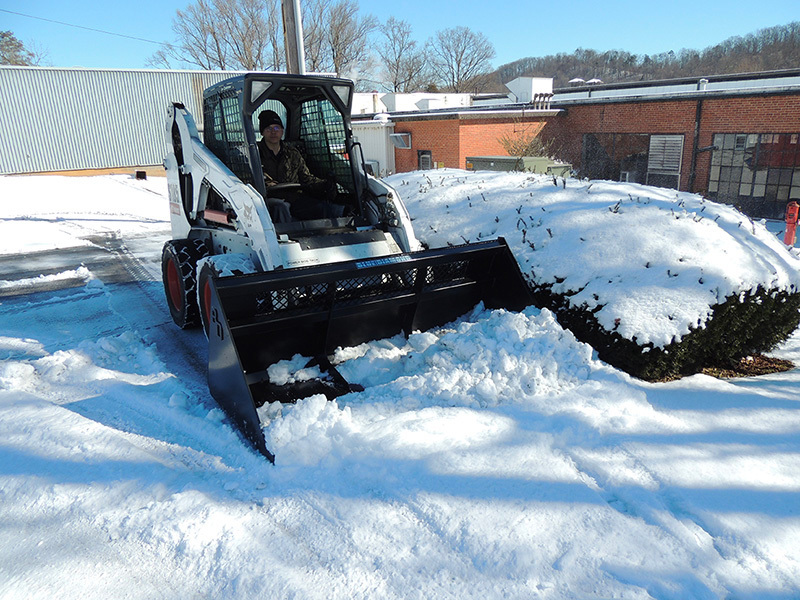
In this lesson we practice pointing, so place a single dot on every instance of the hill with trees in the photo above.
(768, 49)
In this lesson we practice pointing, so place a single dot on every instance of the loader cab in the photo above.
(315, 111)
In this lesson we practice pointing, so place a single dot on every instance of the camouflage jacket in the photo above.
(287, 166)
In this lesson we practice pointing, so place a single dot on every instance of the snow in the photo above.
(69, 211)
(495, 457)
(654, 259)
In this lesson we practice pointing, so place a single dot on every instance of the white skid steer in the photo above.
(265, 291)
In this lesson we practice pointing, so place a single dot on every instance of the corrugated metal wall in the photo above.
(374, 139)
(54, 119)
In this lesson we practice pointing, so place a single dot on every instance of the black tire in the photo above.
(178, 264)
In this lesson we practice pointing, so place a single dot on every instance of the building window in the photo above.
(635, 157)
(400, 140)
(756, 172)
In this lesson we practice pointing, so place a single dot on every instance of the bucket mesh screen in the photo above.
(352, 291)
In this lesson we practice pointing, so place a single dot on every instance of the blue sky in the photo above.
(517, 28)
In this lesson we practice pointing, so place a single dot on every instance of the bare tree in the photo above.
(14, 52)
(348, 37)
(248, 34)
(246, 28)
(524, 140)
(336, 37)
(41, 55)
(460, 58)
(201, 37)
(226, 34)
(276, 40)
(404, 63)
(314, 35)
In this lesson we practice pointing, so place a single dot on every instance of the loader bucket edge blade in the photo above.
(261, 318)
(227, 382)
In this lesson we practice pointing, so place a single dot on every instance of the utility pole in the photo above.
(293, 37)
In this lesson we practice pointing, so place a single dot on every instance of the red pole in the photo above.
(790, 236)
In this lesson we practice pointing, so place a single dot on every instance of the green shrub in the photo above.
(740, 326)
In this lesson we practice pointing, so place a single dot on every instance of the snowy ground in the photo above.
(496, 458)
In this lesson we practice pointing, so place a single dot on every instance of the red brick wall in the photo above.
(440, 136)
(750, 114)
(754, 114)
(633, 117)
(670, 117)
(567, 143)
(451, 140)
(481, 137)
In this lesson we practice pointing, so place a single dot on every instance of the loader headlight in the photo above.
(391, 215)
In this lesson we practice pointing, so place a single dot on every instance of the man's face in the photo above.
(273, 133)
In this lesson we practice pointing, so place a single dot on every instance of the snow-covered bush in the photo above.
(742, 325)
(659, 282)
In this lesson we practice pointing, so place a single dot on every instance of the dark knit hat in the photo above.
(267, 118)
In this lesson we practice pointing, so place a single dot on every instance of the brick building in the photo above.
(446, 139)
(733, 138)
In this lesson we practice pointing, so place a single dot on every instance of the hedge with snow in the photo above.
(659, 282)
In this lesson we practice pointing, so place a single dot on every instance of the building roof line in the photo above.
(755, 75)
(467, 111)
(676, 96)
(766, 82)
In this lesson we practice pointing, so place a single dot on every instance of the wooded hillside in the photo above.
(765, 50)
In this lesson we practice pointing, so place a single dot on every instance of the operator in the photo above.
(281, 163)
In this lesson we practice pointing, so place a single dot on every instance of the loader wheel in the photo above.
(235, 264)
(178, 263)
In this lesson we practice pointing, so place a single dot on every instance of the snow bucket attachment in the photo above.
(261, 318)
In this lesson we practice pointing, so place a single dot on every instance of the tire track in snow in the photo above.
(655, 503)
(127, 296)
(185, 353)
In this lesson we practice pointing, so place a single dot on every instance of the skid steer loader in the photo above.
(266, 291)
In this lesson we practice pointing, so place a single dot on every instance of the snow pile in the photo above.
(655, 260)
(81, 274)
(489, 359)
(495, 457)
(292, 371)
(228, 265)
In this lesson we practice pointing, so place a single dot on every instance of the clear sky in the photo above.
(517, 28)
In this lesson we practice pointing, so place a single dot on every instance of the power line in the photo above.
(122, 35)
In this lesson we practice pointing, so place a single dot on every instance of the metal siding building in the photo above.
(55, 119)
(374, 138)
